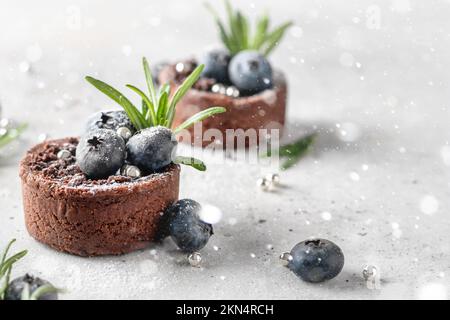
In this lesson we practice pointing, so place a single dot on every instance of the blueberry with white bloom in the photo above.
(216, 65)
(100, 153)
(185, 227)
(316, 260)
(152, 149)
(250, 72)
(109, 120)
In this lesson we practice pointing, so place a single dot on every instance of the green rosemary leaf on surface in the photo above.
(294, 151)
(274, 38)
(301, 145)
(181, 91)
(199, 117)
(12, 134)
(133, 113)
(190, 161)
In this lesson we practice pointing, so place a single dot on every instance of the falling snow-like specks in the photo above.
(396, 231)
(210, 214)
(326, 215)
(24, 66)
(348, 132)
(445, 154)
(401, 6)
(296, 31)
(373, 17)
(127, 50)
(354, 176)
(432, 291)
(429, 204)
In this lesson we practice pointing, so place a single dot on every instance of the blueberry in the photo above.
(186, 228)
(100, 153)
(216, 65)
(109, 120)
(152, 149)
(250, 72)
(16, 287)
(316, 260)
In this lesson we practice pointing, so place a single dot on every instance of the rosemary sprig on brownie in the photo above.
(242, 63)
(137, 141)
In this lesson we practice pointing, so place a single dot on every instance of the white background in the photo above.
(371, 76)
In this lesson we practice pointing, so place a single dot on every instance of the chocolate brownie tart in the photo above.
(238, 76)
(264, 110)
(107, 192)
(74, 214)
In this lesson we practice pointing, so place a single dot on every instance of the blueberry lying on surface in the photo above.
(185, 227)
(109, 120)
(216, 65)
(250, 72)
(152, 149)
(100, 153)
(17, 286)
(316, 260)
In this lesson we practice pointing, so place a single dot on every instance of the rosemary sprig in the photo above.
(293, 152)
(158, 108)
(237, 35)
(6, 265)
(11, 134)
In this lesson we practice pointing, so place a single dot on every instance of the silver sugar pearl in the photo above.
(274, 178)
(63, 154)
(195, 259)
(124, 132)
(179, 67)
(130, 171)
(263, 184)
(218, 88)
(285, 258)
(369, 272)
(232, 91)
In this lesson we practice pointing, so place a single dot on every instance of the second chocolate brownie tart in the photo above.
(238, 76)
(264, 110)
(71, 213)
(107, 192)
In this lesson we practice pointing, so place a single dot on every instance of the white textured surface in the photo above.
(378, 183)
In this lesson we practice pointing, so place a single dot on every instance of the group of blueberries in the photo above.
(249, 71)
(111, 141)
